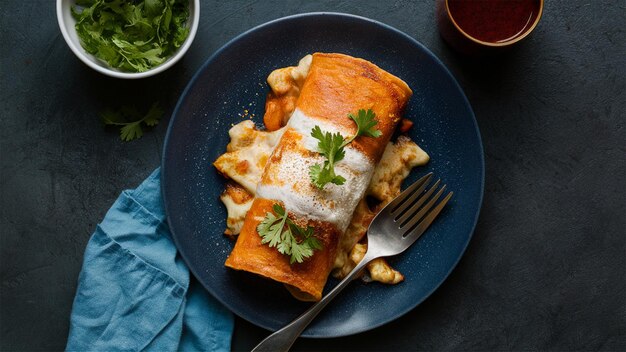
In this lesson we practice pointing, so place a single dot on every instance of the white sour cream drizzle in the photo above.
(334, 204)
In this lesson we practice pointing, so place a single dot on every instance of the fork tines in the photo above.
(414, 210)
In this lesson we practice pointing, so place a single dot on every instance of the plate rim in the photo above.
(340, 16)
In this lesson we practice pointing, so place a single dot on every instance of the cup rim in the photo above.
(498, 44)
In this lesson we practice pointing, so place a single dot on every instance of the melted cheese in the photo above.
(378, 269)
(237, 201)
(247, 154)
(396, 164)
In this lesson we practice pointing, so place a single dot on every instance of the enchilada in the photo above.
(335, 86)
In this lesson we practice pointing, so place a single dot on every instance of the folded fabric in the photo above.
(134, 291)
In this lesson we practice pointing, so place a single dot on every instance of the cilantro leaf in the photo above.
(332, 146)
(278, 210)
(272, 229)
(329, 145)
(153, 116)
(321, 175)
(280, 232)
(365, 121)
(131, 131)
(307, 246)
(131, 120)
(110, 117)
(318, 176)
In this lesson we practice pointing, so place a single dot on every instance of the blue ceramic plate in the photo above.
(232, 82)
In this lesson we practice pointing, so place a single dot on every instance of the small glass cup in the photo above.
(480, 27)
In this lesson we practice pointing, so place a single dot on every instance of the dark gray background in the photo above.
(546, 268)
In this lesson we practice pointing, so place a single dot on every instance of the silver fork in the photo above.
(394, 229)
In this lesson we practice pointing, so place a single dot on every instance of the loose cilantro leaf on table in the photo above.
(131, 120)
(331, 146)
(278, 231)
(131, 35)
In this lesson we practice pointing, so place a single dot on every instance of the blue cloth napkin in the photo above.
(134, 291)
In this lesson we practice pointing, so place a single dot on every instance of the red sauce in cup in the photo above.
(494, 21)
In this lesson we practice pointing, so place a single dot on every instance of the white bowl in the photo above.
(67, 25)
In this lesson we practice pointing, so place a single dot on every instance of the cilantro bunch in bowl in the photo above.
(128, 36)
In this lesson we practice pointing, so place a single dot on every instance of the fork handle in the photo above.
(284, 338)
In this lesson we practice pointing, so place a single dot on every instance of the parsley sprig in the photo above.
(131, 120)
(332, 146)
(281, 232)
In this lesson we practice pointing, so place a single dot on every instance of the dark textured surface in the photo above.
(545, 270)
